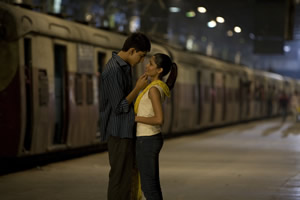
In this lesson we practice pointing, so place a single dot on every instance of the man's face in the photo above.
(136, 57)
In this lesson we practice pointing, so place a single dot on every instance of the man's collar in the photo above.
(119, 60)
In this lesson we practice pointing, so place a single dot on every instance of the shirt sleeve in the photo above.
(115, 85)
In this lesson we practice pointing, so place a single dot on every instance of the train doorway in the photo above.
(199, 91)
(213, 97)
(61, 94)
(28, 89)
(101, 65)
(224, 102)
(241, 99)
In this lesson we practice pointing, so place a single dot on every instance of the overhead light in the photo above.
(57, 6)
(88, 17)
(190, 42)
(190, 14)
(174, 9)
(220, 20)
(229, 33)
(251, 36)
(201, 9)
(287, 48)
(237, 29)
(134, 24)
(212, 24)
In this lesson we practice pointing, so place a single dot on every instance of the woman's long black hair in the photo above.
(165, 62)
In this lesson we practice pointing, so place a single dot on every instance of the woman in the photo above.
(149, 118)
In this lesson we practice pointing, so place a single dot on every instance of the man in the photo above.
(117, 113)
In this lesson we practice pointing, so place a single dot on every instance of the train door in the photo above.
(240, 98)
(61, 94)
(29, 92)
(213, 97)
(100, 68)
(199, 104)
(224, 101)
(248, 96)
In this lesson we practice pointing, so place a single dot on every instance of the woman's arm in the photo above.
(158, 118)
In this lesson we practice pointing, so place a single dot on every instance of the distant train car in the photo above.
(49, 86)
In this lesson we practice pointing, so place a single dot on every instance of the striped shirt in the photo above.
(116, 115)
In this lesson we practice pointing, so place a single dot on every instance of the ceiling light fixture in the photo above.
(190, 14)
(229, 33)
(220, 20)
(174, 9)
(201, 9)
(237, 29)
(212, 24)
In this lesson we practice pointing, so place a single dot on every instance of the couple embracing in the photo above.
(129, 144)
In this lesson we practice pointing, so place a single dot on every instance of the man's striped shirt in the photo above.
(116, 115)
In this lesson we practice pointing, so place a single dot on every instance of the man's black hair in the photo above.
(139, 41)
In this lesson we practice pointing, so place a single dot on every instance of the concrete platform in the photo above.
(252, 161)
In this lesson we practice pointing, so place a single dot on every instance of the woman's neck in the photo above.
(154, 78)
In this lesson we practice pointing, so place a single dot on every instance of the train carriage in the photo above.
(53, 88)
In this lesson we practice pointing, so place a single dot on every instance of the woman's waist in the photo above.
(147, 130)
(150, 137)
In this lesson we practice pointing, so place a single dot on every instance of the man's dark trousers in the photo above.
(121, 158)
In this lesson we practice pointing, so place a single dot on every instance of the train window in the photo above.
(78, 89)
(219, 95)
(43, 88)
(206, 94)
(230, 94)
(89, 90)
(100, 61)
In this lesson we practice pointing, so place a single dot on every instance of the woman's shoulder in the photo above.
(157, 88)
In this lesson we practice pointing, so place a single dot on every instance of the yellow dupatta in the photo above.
(162, 84)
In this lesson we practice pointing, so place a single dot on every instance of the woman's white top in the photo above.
(145, 109)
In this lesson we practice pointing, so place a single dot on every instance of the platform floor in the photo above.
(251, 161)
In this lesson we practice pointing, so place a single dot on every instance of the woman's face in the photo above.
(151, 68)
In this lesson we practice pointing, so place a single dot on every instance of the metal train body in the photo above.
(49, 88)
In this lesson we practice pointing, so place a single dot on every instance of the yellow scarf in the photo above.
(162, 84)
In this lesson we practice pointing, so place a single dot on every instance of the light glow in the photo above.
(88, 17)
(190, 14)
(201, 9)
(212, 24)
(287, 48)
(57, 6)
(251, 36)
(237, 29)
(174, 9)
(229, 33)
(220, 20)
(190, 43)
(134, 24)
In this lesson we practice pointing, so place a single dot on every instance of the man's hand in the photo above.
(142, 82)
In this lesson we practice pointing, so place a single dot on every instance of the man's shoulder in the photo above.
(111, 69)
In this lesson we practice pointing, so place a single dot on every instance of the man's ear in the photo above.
(131, 51)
